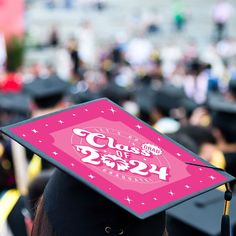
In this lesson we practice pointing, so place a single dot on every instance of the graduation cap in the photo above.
(16, 102)
(47, 92)
(125, 174)
(168, 97)
(14, 107)
(200, 215)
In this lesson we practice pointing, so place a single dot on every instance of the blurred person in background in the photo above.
(72, 47)
(179, 15)
(221, 13)
(196, 82)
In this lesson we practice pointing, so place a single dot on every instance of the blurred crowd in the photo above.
(185, 91)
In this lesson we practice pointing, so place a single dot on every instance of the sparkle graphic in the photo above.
(102, 111)
(73, 114)
(91, 176)
(128, 199)
(35, 131)
(61, 121)
(158, 139)
(46, 125)
(178, 154)
(143, 203)
(23, 135)
(171, 193)
(200, 169)
(40, 141)
(72, 164)
(86, 110)
(155, 199)
(112, 110)
(200, 181)
(55, 153)
(212, 177)
(138, 126)
(187, 186)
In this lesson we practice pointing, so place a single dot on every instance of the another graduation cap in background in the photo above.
(140, 171)
(200, 216)
(14, 107)
(46, 93)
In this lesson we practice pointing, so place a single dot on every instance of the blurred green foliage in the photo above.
(15, 53)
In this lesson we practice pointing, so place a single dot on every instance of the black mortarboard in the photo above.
(168, 97)
(14, 107)
(125, 173)
(15, 102)
(115, 92)
(47, 92)
(200, 215)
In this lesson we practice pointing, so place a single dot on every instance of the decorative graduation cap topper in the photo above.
(118, 156)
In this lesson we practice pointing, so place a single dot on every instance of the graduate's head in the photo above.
(68, 207)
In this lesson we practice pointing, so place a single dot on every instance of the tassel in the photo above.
(225, 222)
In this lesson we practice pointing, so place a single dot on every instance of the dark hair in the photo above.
(36, 188)
(42, 226)
(49, 101)
(199, 134)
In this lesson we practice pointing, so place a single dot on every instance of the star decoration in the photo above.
(112, 110)
(187, 186)
(158, 139)
(143, 203)
(73, 115)
(40, 141)
(46, 125)
(128, 199)
(61, 121)
(35, 131)
(72, 164)
(212, 177)
(102, 111)
(91, 176)
(200, 181)
(86, 110)
(200, 169)
(155, 199)
(171, 193)
(23, 135)
(178, 154)
(55, 153)
(138, 126)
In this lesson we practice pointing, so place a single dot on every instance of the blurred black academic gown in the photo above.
(11, 217)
